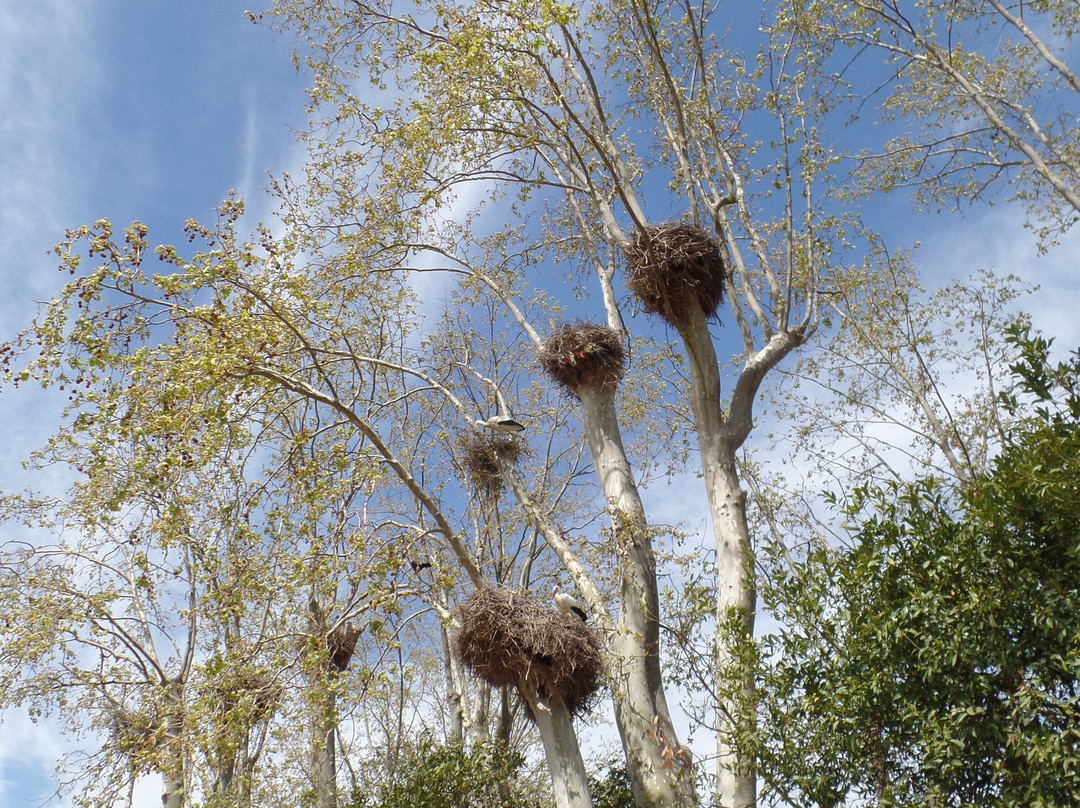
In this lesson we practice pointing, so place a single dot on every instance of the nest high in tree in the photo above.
(583, 355)
(341, 642)
(684, 268)
(481, 455)
(509, 638)
(245, 696)
(136, 734)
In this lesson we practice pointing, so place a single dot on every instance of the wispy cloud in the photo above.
(996, 239)
(47, 77)
(28, 754)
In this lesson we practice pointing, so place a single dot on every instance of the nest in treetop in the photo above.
(341, 642)
(583, 355)
(684, 268)
(256, 694)
(509, 638)
(136, 732)
(482, 454)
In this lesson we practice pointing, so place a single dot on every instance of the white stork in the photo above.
(568, 604)
(502, 423)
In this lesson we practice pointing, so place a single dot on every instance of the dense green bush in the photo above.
(432, 775)
(938, 662)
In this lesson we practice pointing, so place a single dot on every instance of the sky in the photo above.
(154, 111)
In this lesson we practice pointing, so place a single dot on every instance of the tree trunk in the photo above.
(453, 691)
(323, 758)
(234, 776)
(506, 719)
(736, 601)
(569, 780)
(172, 775)
(660, 768)
(324, 717)
(719, 438)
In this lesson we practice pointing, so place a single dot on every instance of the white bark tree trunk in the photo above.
(660, 768)
(173, 772)
(324, 718)
(719, 438)
(324, 745)
(569, 780)
(453, 691)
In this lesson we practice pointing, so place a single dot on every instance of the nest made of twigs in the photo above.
(583, 355)
(255, 694)
(482, 454)
(136, 732)
(674, 267)
(341, 642)
(509, 638)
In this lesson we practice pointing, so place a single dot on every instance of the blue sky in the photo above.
(155, 111)
(131, 109)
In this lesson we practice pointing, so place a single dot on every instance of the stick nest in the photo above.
(341, 642)
(684, 268)
(583, 355)
(508, 638)
(481, 456)
(253, 695)
(136, 733)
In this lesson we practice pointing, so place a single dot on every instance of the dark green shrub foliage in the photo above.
(434, 775)
(938, 662)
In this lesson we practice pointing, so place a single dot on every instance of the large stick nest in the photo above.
(136, 733)
(583, 355)
(674, 267)
(341, 642)
(508, 638)
(483, 455)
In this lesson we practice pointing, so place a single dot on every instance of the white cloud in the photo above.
(45, 77)
(996, 239)
(28, 755)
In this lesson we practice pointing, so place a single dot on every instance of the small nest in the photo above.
(341, 642)
(508, 638)
(256, 695)
(481, 455)
(683, 269)
(583, 355)
(136, 733)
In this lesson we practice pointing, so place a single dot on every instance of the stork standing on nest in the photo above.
(568, 604)
(502, 423)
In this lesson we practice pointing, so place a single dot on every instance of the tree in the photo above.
(109, 623)
(907, 386)
(980, 97)
(936, 660)
(207, 544)
(501, 145)
(538, 107)
(437, 775)
(315, 486)
(613, 790)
